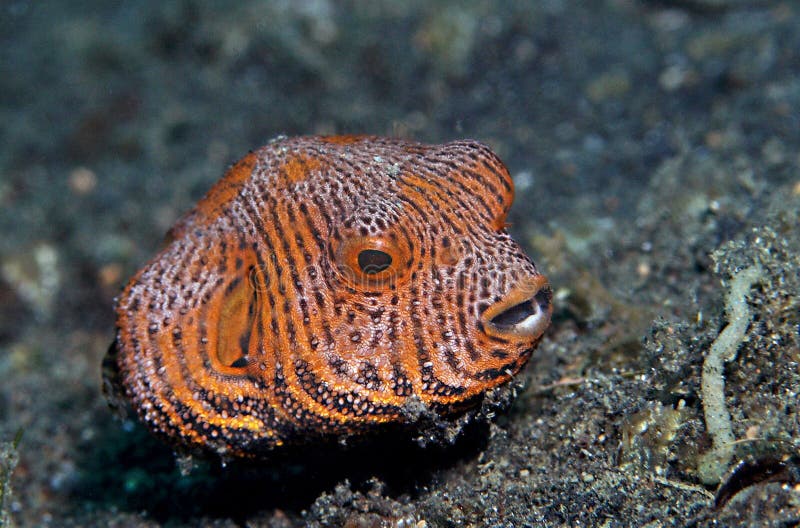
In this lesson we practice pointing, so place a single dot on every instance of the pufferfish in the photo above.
(322, 286)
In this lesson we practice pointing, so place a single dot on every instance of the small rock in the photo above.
(774, 152)
(608, 86)
(110, 275)
(35, 276)
(674, 77)
(82, 181)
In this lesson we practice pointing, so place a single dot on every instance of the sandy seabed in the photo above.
(655, 148)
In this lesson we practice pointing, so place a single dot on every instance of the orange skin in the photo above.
(322, 285)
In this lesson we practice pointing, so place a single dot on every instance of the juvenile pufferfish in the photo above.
(323, 285)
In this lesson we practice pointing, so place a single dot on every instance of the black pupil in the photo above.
(372, 261)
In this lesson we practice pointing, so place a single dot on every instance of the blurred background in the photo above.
(640, 136)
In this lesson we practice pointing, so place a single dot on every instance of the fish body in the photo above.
(322, 285)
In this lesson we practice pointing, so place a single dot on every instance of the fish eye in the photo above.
(373, 261)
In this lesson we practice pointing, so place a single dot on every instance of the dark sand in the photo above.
(655, 148)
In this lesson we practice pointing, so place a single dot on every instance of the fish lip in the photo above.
(524, 313)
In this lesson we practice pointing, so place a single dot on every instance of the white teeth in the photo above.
(533, 324)
(527, 319)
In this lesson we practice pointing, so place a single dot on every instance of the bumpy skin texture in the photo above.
(321, 286)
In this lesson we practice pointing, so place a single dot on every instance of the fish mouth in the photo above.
(524, 312)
